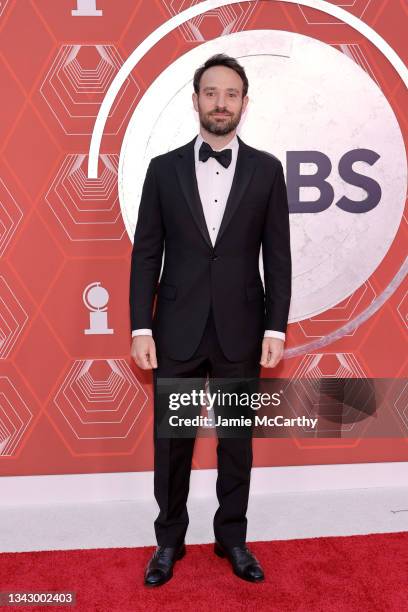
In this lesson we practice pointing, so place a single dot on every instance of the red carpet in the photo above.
(355, 573)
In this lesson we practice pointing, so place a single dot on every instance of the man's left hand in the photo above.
(272, 352)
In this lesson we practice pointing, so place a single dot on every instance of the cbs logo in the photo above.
(296, 180)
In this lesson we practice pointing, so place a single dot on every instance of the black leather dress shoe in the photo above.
(160, 567)
(244, 564)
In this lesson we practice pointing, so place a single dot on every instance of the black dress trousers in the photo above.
(173, 456)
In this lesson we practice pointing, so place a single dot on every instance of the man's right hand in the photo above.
(143, 352)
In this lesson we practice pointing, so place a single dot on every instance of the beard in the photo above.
(219, 128)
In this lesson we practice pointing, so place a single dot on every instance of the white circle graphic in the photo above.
(304, 96)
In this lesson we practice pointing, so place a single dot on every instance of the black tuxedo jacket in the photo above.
(196, 274)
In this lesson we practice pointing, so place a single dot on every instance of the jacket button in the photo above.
(214, 257)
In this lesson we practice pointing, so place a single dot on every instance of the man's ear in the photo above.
(244, 103)
(195, 101)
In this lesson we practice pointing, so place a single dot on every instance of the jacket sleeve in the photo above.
(276, 255)
(147, 253)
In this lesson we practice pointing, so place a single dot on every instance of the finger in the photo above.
(153, 358)
(138, 363)
(275, 359)
(269, 363)
(136, 359)
(144, 361)
(265, 354)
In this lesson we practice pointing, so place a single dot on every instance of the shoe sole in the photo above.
(220, 553)
(179, 556)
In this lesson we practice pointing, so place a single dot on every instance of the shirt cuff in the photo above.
(270, 333)
(141, 332)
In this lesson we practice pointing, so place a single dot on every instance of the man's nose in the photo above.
(221, 105)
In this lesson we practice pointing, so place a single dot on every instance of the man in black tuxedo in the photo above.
(211, 204)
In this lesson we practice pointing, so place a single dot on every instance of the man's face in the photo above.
(219, 102)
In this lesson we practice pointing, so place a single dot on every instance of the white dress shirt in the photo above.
(214, 184)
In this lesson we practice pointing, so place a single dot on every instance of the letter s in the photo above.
(371, 186)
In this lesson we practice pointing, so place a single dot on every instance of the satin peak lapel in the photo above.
(185, 167)
(243, 172)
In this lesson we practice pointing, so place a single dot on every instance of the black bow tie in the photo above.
(224, 156)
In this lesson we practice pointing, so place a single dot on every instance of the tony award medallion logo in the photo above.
(95, 299)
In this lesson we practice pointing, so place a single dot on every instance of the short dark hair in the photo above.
(221, 59)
